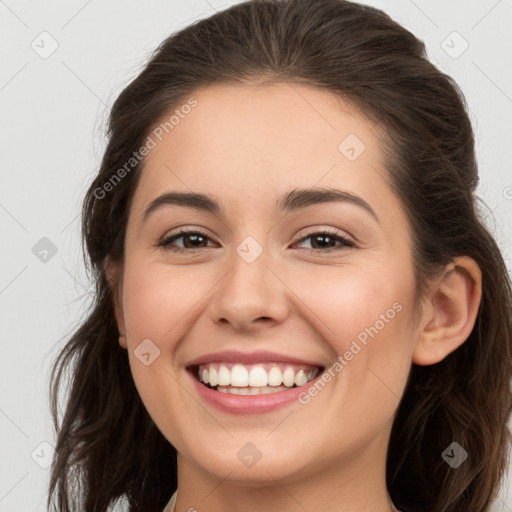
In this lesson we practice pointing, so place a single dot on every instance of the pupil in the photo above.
(194, 238)
(325, 238)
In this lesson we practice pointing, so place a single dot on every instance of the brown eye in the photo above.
(191, 240)
(326, 241)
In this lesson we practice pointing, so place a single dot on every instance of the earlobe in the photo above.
(452, 312)
(122, 340)
(112, 273)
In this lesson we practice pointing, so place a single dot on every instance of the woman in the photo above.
(298, 307)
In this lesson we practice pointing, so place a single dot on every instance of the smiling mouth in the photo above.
(254, 379)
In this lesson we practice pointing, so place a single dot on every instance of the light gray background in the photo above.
(53, 115)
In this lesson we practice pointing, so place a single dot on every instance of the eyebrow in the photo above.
(291, 201)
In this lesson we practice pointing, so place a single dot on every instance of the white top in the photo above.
(171, 506)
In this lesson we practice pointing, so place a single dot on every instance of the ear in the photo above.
(450, 311)
(113, 273)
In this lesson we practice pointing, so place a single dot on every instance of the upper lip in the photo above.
(261, 356)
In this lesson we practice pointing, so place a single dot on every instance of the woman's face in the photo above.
(258, 279)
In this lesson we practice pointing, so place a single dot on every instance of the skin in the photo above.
(245, 146)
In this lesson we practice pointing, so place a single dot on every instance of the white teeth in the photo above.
(239, 376)
(257, 376)
(212, 374)
(288, 377)
(224, 376)
(300, 378)
(251, 391)
(274, 376)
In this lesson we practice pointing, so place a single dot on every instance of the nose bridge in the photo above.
(250, 290)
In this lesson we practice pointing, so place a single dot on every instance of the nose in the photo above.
(250, 296)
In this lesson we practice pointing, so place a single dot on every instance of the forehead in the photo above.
(264, 122)
(263, 140)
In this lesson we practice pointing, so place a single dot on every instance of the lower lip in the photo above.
(249, 404)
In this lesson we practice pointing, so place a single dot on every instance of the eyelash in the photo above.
(346, 244)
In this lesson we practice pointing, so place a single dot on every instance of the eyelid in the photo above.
(187, 229)
(313, 230)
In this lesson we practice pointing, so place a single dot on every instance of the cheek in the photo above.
(158, 299)
(158, 305)
(364, 315)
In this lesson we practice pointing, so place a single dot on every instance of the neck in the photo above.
(357, 483)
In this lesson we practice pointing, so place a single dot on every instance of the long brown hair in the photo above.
(108, 447)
